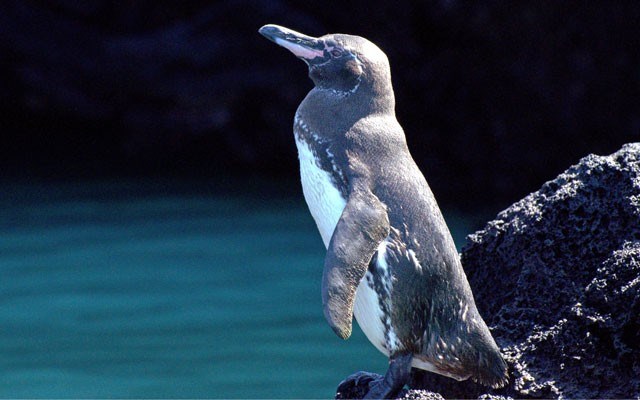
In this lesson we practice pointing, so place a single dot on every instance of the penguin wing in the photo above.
(364, 223)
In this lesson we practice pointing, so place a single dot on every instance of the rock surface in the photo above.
(557, 277)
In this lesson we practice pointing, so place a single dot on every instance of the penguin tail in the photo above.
(491, 368)
(478, 359)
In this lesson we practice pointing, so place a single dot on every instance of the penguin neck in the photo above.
(338, 111)
(380, 93)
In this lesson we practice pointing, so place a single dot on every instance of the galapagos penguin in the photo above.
(391, 260)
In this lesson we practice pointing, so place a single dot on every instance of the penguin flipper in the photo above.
(364, 223)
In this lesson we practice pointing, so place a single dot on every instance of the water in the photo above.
(152, 289)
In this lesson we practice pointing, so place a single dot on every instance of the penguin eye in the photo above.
(336, 52)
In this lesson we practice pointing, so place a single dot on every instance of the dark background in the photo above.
(496, 97)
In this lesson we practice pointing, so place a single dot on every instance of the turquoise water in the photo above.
(152, 289)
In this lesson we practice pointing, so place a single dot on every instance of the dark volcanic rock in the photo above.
(557, 276)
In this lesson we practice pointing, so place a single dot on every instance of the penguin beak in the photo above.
(308, 48)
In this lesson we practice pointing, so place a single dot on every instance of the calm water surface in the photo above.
(149, 289)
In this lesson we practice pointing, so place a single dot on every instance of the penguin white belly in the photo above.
(326, 204)
(375, 323)
(369, 315)
(324, 200)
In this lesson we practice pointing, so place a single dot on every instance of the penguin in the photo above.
(391, 261)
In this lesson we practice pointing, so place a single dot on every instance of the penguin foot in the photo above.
(367, 385)
(356, 385)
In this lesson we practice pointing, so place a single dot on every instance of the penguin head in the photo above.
(342, 64)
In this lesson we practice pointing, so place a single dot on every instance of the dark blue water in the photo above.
(151, 289)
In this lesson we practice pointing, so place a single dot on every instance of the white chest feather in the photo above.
(324, 200)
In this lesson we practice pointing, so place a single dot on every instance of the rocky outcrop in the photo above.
(557, 277)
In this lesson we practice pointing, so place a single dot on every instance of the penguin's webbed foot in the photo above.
(356, 385)
(367, 385)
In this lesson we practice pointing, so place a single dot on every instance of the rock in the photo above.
(557, 277)
(420, 395)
